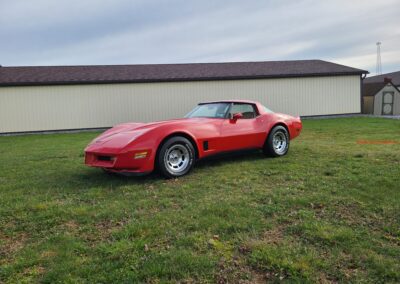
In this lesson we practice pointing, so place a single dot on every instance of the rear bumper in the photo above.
(133, 162)
(295, 128)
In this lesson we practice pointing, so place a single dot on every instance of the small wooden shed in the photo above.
(381, 98)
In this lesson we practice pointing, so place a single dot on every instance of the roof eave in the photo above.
(11, 84)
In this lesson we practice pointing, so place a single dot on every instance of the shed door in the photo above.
(387, 103)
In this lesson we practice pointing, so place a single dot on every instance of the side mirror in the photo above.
(237, 116)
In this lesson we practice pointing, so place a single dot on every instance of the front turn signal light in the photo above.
(141, 155)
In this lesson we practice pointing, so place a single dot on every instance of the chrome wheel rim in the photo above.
(279, 142)
(176, 159)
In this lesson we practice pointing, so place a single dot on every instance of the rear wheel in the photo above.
(176, 157)
(277, 143)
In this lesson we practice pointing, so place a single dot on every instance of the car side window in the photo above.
(247, 110)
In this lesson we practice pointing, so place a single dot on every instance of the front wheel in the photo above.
(176, 157)
(277, 143)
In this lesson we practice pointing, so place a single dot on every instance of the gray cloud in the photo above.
(44, 32)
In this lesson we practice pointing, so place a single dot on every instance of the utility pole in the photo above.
(378, 58)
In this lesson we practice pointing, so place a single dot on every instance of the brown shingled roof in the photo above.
(395, 76)
(371, 89)
(102, 74)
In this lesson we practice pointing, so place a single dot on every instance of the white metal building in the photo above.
(77, 97)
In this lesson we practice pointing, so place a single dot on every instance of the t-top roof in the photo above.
(103, 74)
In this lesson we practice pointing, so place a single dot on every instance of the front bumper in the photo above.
(135, 162)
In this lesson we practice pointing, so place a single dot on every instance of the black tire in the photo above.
(176, 157)
(274, 151)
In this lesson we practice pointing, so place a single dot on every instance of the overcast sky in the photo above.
(80, 32)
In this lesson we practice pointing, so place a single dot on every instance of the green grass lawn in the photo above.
(329, 211)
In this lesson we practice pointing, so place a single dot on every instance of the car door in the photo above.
(244, 132)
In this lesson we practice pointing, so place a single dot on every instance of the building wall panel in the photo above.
(396, 103)
(36, 108)
(368, 105)
(378, 104)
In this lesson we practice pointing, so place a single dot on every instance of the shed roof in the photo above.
(102, 74)
(395, 76)
(371, 89)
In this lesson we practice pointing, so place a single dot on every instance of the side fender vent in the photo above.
(205, 145)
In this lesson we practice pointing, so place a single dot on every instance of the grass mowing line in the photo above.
(328, 211)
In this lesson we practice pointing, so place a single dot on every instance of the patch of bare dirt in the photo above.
(11, 245)
(33, 271)
(109, 226)
(105, 229)
(48, 254)
(324, 279)
(235, 271)
(274, 236)
(71, 225)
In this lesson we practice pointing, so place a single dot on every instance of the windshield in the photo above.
(213, 110)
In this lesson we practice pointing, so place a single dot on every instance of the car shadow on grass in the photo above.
(96, 177)
(230, 157)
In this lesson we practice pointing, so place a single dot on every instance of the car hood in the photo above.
(125, 133)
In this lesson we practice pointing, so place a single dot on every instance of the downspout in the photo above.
(362, 77)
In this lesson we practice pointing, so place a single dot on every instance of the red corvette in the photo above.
(173, 146)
